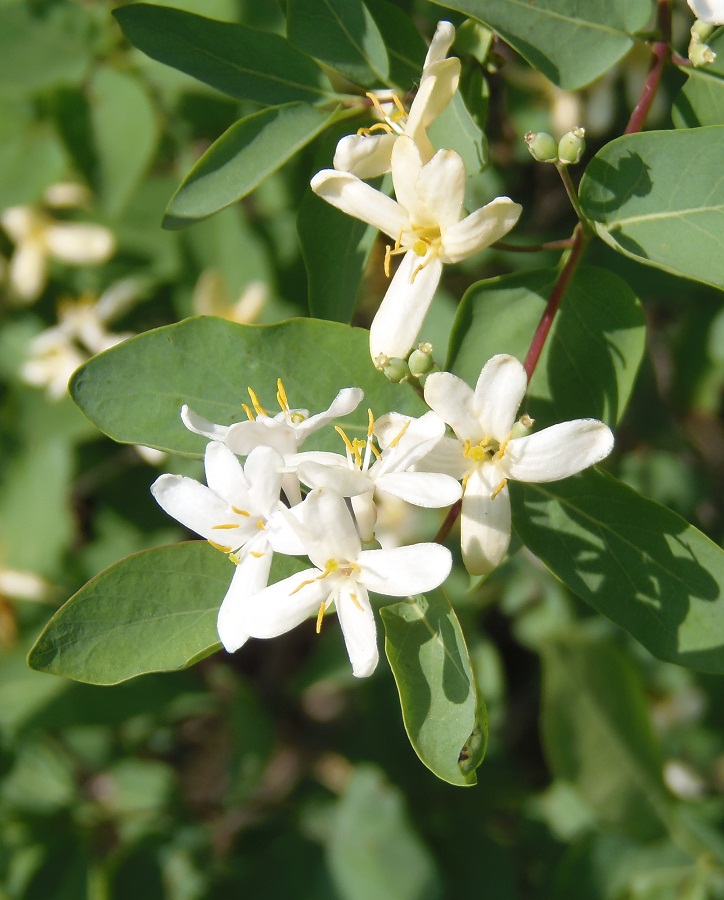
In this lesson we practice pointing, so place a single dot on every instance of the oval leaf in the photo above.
(242, 158)
(639, 564)
(241, 62)
(154, 611)
(445, 717)
(589, 363)
(568, 41)
(134, 391)
(658, 197)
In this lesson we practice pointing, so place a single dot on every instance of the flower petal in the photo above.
(404, 570)
(250, 577)
(199, 425)
(225, 476)
(282, 606)
(357, 622)
(329, 529)
(498, 393)
(484, 521)
(28, 270)
(440, 190)
(558, 451)
(360, 200)
(80, 244)
(454, 401)
(340, 478)
(440, 44)
(709, 11)
(445, 75)
(413, 441)
(404, 307)
(428, 489)
(263, 471)
(479, 230)
(364, 155)
(242, 437)
(199, 509)
(346, 402)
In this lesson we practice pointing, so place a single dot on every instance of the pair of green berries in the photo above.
(567, 151)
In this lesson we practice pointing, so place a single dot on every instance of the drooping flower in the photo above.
(368, 153)
(365, 470)
(709, 11)
(81, 331)
(342, 574)
(426, 226)
(239, 513)
(285, 431)
(38, 237)
(488, 453)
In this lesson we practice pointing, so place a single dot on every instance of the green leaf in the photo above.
(590, 360)
(658, 197)
(154, 611)
(445, 717)
(639, 564)
(335, 248)
(405, 46)
(598, 736)
(456, 130)
(242, 158)
(125, 130)
(31, 159)
(701, 99)
(342, 34)
(42, 50)
(134, 391)
(571, 43)
(374, 849)
(242, 62)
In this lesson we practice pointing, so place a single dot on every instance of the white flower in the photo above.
(709, 11)
(343, 574)
(239, 513)
(364, 471)
(488, 454)
(285, 431)
(81, 331)
(426, 225)
(368, 153)
(38, 238)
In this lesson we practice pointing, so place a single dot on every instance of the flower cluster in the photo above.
(328, 506)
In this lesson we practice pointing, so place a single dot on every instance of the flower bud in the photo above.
(700, 53)
(702, 30)
(571, 146)
(396, 370)
(421, 361)
(542, 146)
(522, 426)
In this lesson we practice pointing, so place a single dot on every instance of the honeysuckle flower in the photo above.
(82, 331)
(709, 11)
(368, 153)
(426, 224)
(488, 451)
(342, 574)
(38, 237)
(364, 471)
(239, 513)
(285, 431)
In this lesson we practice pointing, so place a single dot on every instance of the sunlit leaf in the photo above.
(445, 718)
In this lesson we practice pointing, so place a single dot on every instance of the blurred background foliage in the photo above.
(272, 773)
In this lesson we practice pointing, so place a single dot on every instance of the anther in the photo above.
(226, 525)
(220, 547)
(282, 396)
(320, 617)
(260, 411)
(398, 437)
(240, 512)
(498, 489)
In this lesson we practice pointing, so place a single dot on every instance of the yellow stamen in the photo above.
(257, 554)
(260, 524)
(398, 437)
(501, 451)
(353, 598)
(375, 451)
(226, 525)
(320, 616)
(260, 411)
(220, 547)
(498, 489)
(240, 512)
(249, 413)
(354, 567)
(370, 424)
(282, 396)
(378, 126)
(302, 585)
(347, 443)
(234, 558)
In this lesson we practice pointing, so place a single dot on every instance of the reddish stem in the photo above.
(450, 518)
(580, 241)
(661, 51)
